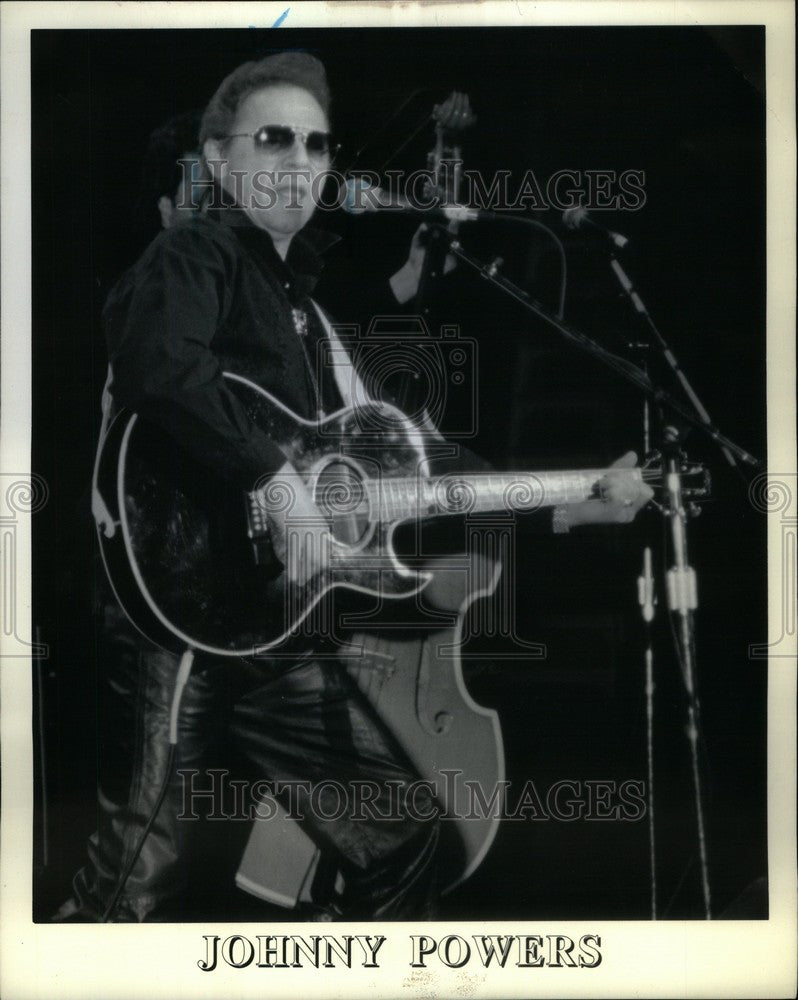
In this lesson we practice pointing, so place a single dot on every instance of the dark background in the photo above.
(685, 105)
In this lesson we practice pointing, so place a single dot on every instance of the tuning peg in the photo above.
(493, 268)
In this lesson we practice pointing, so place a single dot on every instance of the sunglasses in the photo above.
(279, 138)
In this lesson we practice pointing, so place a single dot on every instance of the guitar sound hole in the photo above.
(342, 498)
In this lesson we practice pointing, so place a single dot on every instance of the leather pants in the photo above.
(302, 722)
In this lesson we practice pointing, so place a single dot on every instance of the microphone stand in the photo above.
(682, 593)
(647, 600)
(681, 578)
(646, 594)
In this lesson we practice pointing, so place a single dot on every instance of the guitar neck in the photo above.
(403, 498)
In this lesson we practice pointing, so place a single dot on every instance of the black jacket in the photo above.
(208, 297)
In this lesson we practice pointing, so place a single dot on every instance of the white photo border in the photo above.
(668, 959)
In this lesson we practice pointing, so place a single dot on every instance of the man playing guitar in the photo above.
(228, 297)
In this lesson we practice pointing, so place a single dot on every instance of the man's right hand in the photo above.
(300, 534)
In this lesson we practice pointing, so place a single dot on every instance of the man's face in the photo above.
(275, 188)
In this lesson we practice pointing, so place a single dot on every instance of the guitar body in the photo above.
(179, 554)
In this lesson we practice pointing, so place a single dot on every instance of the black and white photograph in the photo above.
(411, 541)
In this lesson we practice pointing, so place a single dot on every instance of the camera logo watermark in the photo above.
(776, 494)
(21, 497)
(430, 375)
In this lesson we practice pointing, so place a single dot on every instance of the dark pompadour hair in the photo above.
(300, 69)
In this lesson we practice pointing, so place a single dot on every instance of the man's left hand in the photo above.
(405, 282)
(622, 497)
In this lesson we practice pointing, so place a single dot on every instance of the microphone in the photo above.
(576, 218)
(361, 197)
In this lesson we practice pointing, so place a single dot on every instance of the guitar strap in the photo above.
(350, 386)
(354, 392)
(102, 516)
